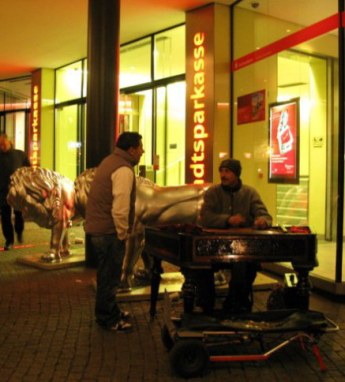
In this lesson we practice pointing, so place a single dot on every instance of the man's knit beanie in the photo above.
(232, 164)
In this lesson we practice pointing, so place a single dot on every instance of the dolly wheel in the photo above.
(166, 338)
(276, 299)
(189, 358)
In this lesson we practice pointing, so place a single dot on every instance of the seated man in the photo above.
(232, 204)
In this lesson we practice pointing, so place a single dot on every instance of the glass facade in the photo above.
(290, 60)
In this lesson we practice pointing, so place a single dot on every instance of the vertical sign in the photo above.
(199, 97)
(284, 142)
(35, 120)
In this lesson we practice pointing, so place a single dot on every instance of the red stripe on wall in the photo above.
(306, 34)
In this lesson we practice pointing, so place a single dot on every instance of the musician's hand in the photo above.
(260, 223)
(236, 220)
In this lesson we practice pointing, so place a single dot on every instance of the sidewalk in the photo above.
(48, 333)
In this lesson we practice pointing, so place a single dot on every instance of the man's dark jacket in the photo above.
(10, 161)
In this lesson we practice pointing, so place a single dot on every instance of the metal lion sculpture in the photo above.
(47, 198)
(154, 206)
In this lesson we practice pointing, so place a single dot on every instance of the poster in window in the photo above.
(251, 107)
(284, 142)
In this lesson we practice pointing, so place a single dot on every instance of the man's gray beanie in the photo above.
(232, 164)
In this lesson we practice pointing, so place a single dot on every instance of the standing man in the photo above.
(109, 219)
(232, 204)
(10, 160)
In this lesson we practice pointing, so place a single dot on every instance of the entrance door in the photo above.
(159, 116)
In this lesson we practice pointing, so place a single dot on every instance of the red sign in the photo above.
(251, 107)
(284, 142)
(35, 120)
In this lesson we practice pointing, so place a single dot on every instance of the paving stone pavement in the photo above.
(48, 333)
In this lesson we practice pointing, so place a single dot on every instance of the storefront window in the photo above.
(266, 21)
(160, 119)
(15, 102)
(277, 60)
(170, 134)
(68, 156)
(137, 110)
(169, 53)
(84, 77)
(136, 115)
(68, 84)
(15, 94)
(135, 63)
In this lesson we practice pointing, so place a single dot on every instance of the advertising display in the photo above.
(284, 142)
(251, 107)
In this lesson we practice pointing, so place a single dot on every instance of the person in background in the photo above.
(10, 160)
(109, 219)
(232, 204)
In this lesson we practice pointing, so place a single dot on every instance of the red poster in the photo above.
(251, 107)
(284, 142)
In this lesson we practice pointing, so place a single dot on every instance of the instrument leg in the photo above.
(303, 288)
(157, 270)
(188, 290)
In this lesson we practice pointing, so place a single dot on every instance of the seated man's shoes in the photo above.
(8, 246)
(124, 315)
(121, 326)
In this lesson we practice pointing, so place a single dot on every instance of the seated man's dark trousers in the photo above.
(240, 293)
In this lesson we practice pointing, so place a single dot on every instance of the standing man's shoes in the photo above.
(20, 237)
(121, 326)
(8, 246)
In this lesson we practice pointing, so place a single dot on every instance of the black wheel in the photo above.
(189, 358)
(276, 299)
(166, 338)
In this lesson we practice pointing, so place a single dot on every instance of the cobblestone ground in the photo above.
(48, 333)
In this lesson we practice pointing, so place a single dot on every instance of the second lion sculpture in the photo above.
(155, 205)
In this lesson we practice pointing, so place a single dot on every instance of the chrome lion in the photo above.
(47, 198)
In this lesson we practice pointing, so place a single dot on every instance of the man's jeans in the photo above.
(110, 252)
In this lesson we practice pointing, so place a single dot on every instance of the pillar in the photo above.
(103, 78)
(208, 91)
(102, 87)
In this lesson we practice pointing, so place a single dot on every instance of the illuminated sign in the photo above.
(35, 122)
(199, 110)
(197, 158)
(284, 142)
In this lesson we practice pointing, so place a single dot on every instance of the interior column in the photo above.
(103, 79)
